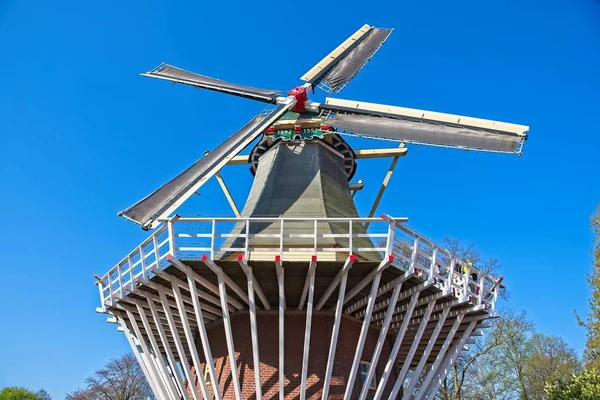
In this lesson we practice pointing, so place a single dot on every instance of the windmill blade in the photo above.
(340, 66)
(164, 201)
(425, 127)
(174, 74)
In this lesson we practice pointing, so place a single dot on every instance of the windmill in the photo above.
(349, 117)
(405, 307)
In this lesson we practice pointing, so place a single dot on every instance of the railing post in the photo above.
(131, 273)
(481, 289)
(120, 272)
(315, 237)
(143, 262)
(433, 263)
(156, 251)
(466, 279)
(281, 239)
(350, 236)
(247, 239)
(212, 239)
(171, 233)
(451, 272)
(101, 290)
(389, 248)
(496, 288)
(413, 258)
(111, 293)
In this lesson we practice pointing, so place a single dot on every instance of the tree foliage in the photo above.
(592, 323)
(120, 379)
(582, 386)
(511, 360)
(17, 393)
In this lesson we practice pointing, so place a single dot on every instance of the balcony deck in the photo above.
(184, 269)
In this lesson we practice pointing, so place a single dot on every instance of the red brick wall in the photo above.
(321, 328)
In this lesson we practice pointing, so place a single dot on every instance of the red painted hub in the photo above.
(300, 94)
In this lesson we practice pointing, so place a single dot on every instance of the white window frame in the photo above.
(363, 376)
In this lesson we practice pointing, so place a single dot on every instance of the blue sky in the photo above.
(83, 136)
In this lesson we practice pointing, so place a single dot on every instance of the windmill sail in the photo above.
(341, 65)
(425, 127)
(171, 195)
(170, 73)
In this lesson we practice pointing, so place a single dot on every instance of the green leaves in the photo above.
(17, 393)
(592, 323)
(582, 386)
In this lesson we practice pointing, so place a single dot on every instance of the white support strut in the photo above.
(137, 354)
(189, 336)
(442, 353)
(229, 334)
(443, 371)
(417, 372)
(254, 333)
(364, 331)
(163, 370)
(412, 351)
(370, 276)
(341, 273)
(336, 328)
(179, 345)
(309, 309)
(381, 340)
(204, 337)
(201, 280)
(156, 376)
(165, 342)
(226, 279)
(311, 267)
(281, 290)
(394, 353)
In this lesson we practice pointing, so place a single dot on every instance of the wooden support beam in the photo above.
(386, 180)
(227, 194)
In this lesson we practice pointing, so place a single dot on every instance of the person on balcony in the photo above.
(474, 277)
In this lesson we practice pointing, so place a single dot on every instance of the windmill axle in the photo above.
(301, 97)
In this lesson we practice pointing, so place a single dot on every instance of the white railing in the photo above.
(193, 238)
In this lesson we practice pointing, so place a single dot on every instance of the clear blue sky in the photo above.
(83, 136)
